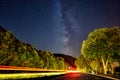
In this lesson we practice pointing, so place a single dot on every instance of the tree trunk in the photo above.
(112, 70)
(104, 65)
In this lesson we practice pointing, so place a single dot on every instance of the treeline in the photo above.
(100, 53)
(16, 53)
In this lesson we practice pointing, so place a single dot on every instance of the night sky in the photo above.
(58, 26)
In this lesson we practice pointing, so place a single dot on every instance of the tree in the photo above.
(102, 44)
(82, 64)
(16, 53)
(60, 64)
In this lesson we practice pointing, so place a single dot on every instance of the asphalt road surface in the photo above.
(73, 76)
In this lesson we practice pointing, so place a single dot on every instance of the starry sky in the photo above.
(58, 26)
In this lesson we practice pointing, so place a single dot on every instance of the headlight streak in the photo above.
(28, 75)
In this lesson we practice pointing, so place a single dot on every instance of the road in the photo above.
(10, 70)
(74, 76)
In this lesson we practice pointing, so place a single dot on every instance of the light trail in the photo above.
(27, 75)
(73, 71)
(14, 72)
(28, 69)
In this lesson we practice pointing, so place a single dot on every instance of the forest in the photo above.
(14, 52)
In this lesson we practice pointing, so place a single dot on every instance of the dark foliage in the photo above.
(13, 52)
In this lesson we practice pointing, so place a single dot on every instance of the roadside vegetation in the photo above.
(13, 52)
(100, 53)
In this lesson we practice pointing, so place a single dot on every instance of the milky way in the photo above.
(80, 17)
(71, 29)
